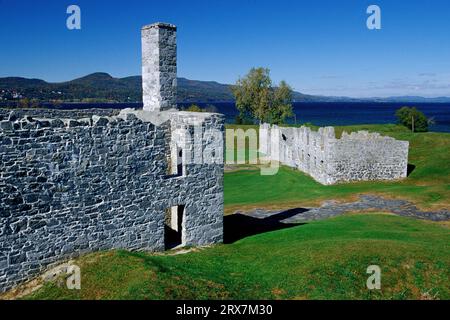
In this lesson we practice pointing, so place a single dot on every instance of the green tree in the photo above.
(211, 108)
(240, 120)
(282, 106)
(256, 98)
(413, 119)
(194, 108)
(34, 103)
(24, 103)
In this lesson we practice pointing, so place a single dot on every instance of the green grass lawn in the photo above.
(319, 260)
(428, 185)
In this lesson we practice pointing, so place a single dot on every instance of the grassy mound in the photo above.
(319, 260)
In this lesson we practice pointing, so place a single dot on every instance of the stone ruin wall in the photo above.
(56, 113)
(71, 186)
(79, 181)
(359, 156)
(368, 156)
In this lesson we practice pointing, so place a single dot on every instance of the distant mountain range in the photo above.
(101, 87)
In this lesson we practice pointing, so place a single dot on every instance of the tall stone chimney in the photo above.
(159, 66)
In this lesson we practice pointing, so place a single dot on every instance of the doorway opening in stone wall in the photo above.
(173, 228)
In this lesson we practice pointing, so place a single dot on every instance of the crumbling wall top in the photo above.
(160, 25)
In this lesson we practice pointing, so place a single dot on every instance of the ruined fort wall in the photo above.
(75, 185)
(299, 148)
(367, 156)
(39, 113)
(358, 156)
(201, 137)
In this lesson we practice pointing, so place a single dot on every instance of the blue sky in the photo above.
(318, 47)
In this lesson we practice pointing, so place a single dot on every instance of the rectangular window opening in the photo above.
(176, 166)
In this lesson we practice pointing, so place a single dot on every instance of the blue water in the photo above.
(336, 113)
(323, 114)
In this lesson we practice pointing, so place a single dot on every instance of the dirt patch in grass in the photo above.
(22, 290)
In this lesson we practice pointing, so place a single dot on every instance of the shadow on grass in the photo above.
(410, 169)
(238, 226)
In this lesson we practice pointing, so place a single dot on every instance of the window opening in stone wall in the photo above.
(176, 166)
(179, 171)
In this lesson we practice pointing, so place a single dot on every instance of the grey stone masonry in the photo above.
(159, 66)
(358, 156)
(70, 186)
(37, 113)
(77, 181)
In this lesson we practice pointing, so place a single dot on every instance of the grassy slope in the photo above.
(320, 260)
(428, 185)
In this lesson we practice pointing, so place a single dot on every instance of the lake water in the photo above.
(324, 114)
(331, 114)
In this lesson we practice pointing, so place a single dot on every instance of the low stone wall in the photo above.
(358, 156)
(55, 113)
(367, 156)
(77, 184)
